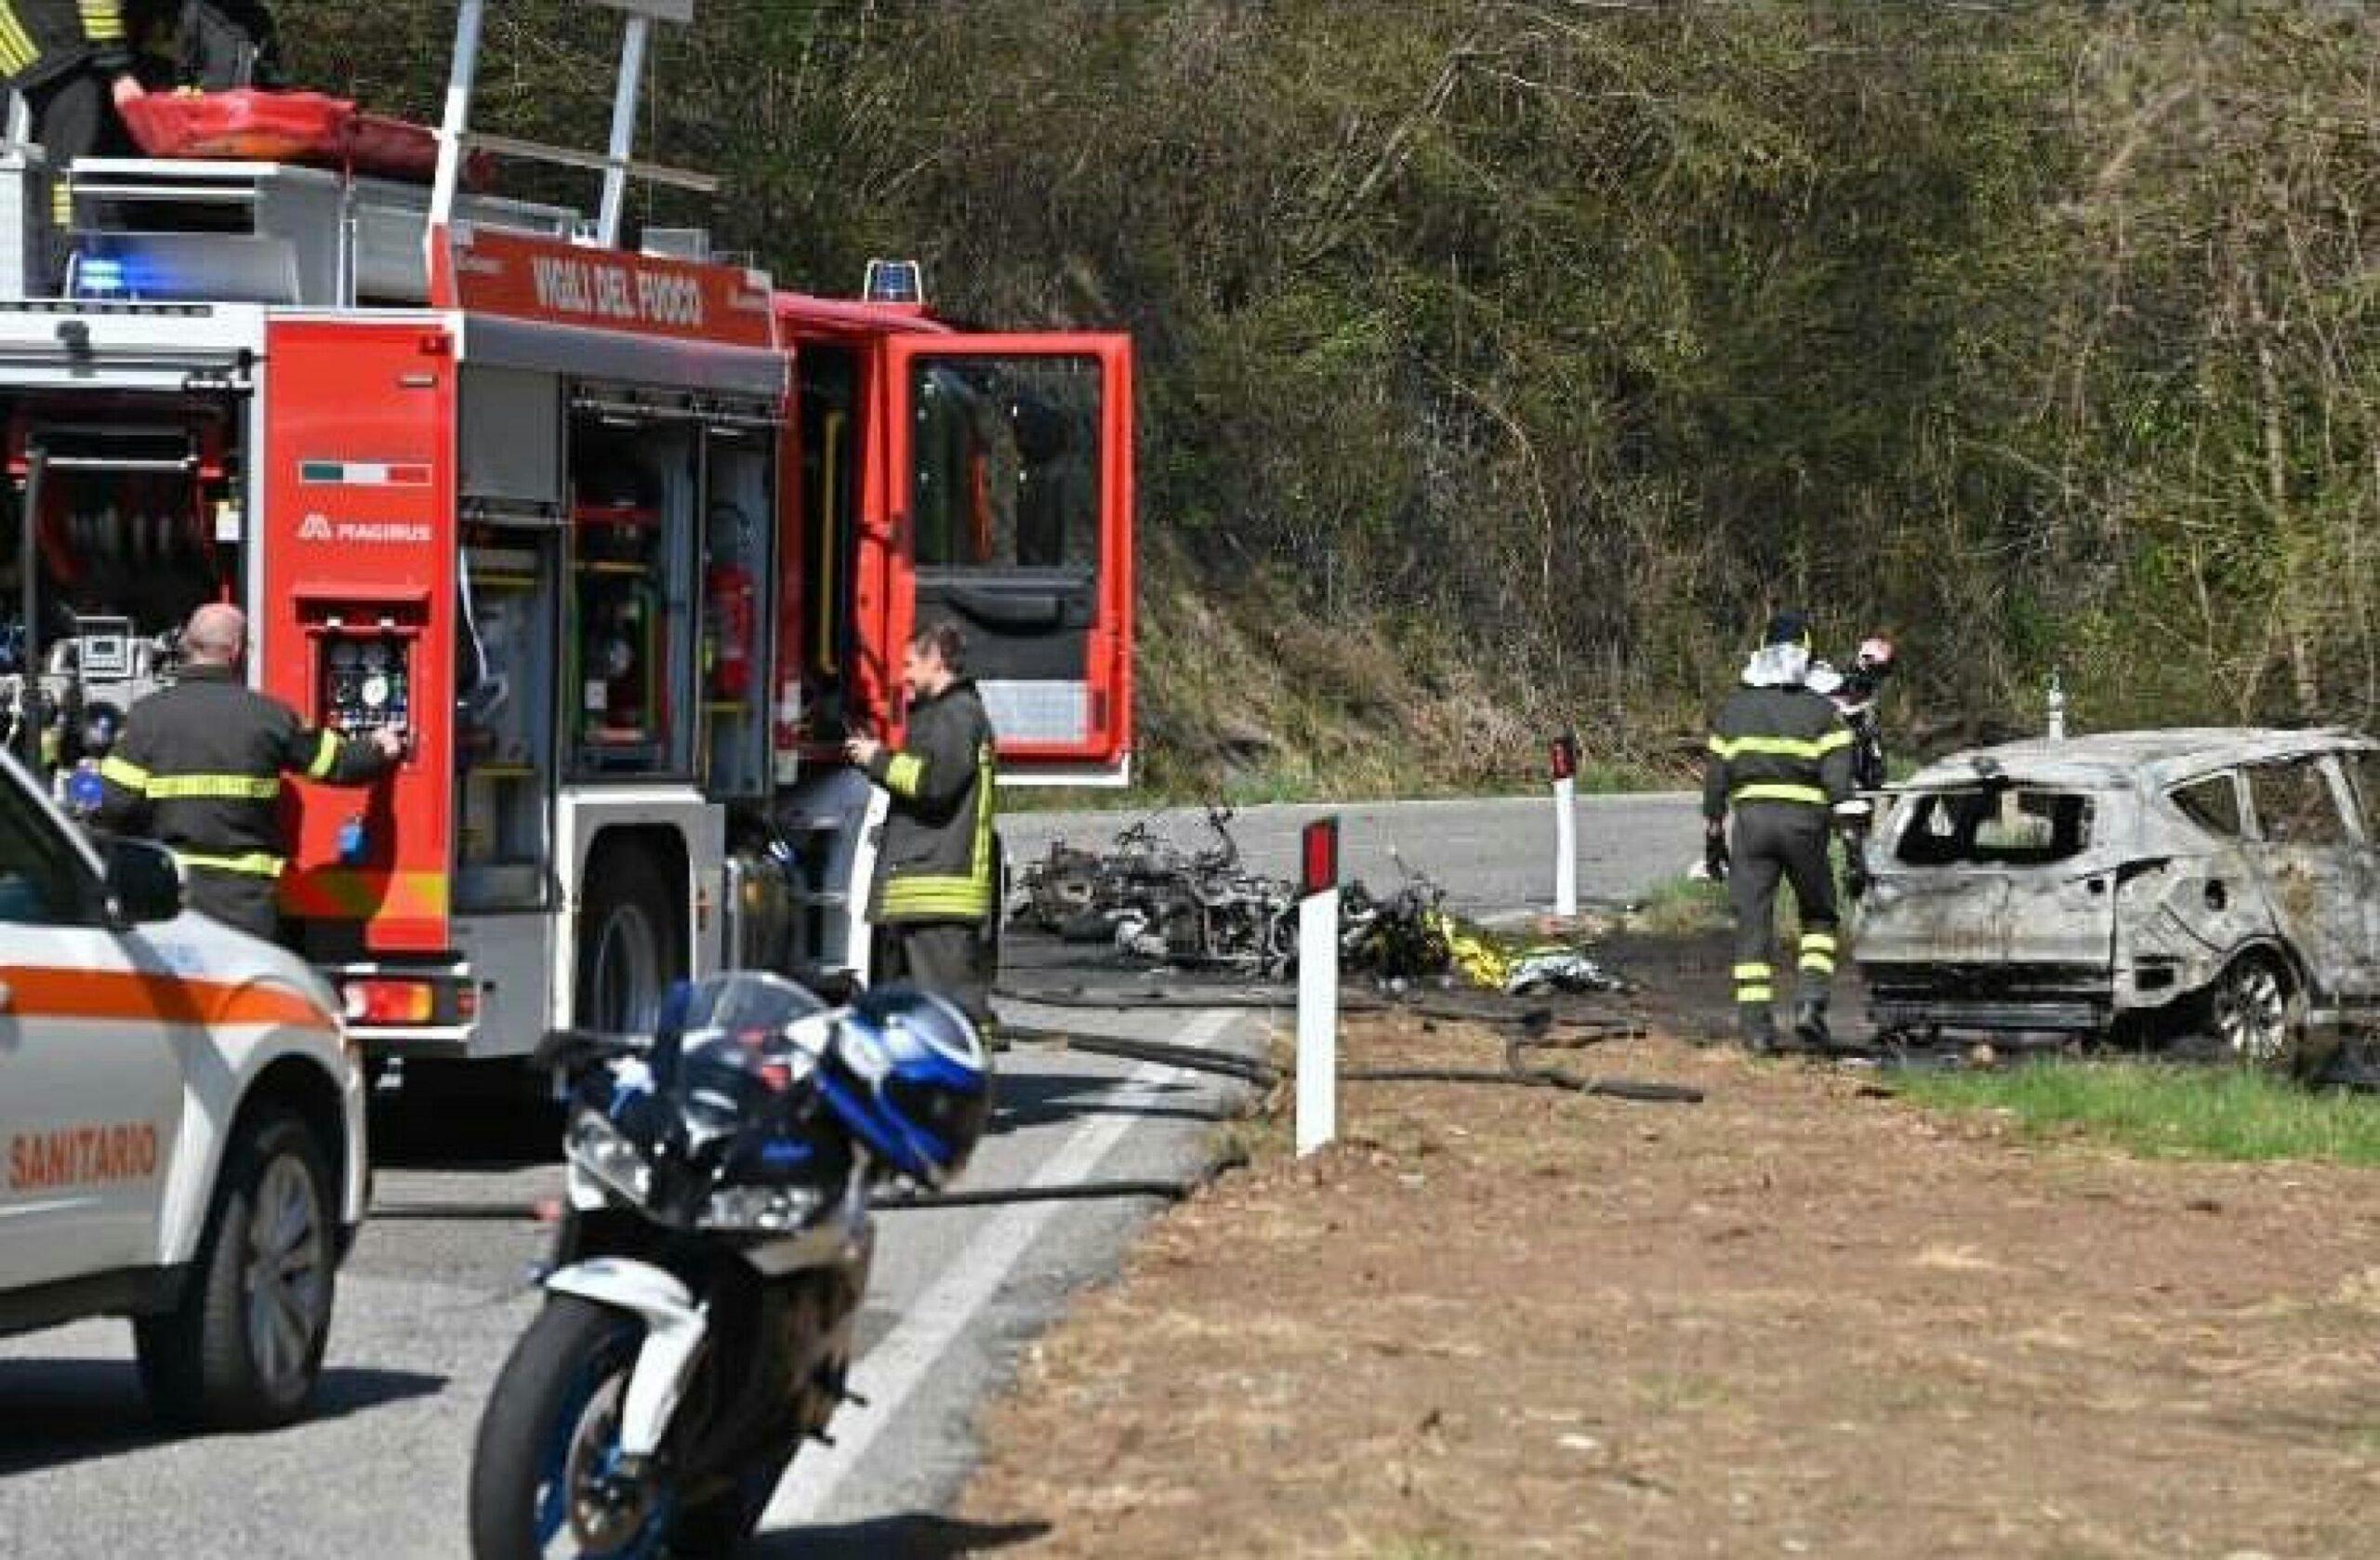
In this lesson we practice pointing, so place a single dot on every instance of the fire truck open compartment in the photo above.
(628, 642)
(140, 519)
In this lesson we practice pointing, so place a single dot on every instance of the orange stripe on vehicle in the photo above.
(47, 992)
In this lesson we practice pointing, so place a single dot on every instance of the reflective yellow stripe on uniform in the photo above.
(1781, 747)
(958, 898)
(1755, 994)
(213, 788)
(1752, 971)
(326, 756)
(903, 774)
(124, 772)
(257, 864)
(1818, 952)
(102, 20)
(1770, 791)
(17, 49)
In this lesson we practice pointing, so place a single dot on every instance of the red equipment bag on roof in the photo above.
(247, 125)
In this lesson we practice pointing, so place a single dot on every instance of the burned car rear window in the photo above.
(2003, 826)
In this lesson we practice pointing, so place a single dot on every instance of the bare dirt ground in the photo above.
(1801, 1318)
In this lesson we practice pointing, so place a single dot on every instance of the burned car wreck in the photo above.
(2220, 885)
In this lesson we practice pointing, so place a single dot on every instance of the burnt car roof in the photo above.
(2155, 758)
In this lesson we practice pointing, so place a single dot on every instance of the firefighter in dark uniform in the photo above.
(75, 63)
(199, 768)
(220, 45)
(1781, 760)
(934, 893)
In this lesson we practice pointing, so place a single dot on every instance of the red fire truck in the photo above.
(625, 536)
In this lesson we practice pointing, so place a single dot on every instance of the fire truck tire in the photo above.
(631, 935)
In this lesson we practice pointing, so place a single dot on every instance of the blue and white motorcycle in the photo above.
(698, 1318)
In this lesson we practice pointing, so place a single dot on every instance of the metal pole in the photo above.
(1318, 1020)
(461, 76)
(624, 95)
(29, 664)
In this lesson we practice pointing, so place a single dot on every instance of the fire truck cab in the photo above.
(626, 539)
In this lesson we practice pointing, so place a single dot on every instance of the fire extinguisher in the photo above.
(732, 611)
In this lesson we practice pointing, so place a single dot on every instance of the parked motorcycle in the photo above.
(698, 1316)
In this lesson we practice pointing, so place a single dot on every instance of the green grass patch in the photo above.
(2206, 1113)
(1680, 907)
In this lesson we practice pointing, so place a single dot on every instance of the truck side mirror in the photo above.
(142, 880)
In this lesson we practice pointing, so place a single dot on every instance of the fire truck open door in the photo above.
(1012, 481)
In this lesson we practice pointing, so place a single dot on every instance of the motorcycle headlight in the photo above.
(760, 1208)
(603, 1152)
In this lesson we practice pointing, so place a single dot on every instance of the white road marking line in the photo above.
(890, 1373)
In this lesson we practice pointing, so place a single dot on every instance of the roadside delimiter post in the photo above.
(1565, 826)
(1318, 985)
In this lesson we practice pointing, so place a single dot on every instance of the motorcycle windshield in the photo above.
(744, 1002)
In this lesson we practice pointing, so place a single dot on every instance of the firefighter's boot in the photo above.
(1809, 1024)
(1756, 1026)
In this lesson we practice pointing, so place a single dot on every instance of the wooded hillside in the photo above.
(1535, 349)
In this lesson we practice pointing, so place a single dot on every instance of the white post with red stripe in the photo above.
(1565, 826)
(1317, 1105)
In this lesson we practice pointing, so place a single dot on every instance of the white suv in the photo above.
(182, 1124)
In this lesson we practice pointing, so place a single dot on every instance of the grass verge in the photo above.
(1680, 907)
(2210, 1113)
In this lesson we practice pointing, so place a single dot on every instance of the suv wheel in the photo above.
(243, 1348)
(2254, 1015)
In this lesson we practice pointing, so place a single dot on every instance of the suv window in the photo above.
(2010, 825)
(2294, 805)
(2212, 804)
(41, 881)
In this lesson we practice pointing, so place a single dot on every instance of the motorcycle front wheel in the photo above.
(545, 1480)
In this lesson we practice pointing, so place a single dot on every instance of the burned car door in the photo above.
(2359, 767)
(2190, 898)
(2315, 871)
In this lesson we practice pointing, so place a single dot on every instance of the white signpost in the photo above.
(1566, 826)
(1318, 986)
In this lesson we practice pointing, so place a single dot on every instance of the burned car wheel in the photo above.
(2253, 1012)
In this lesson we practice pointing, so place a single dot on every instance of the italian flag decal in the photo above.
(363, 473)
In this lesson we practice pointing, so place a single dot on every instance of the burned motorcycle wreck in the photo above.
(1156, 902)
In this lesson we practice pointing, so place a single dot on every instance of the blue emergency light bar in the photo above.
(894, 282)
(182, 268)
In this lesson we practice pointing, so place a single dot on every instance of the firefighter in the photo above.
(1781, 760)
(934, 893)
(227, 44)
(76, 63)
(199, 769)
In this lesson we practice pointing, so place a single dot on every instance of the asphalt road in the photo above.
(438, 1288)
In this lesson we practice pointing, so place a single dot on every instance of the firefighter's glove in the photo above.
(1715, 854)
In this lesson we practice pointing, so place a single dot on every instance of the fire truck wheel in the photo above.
(631, 934)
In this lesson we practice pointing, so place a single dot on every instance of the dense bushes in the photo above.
(1546, 344)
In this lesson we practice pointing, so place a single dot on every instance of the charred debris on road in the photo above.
(1156, 905)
